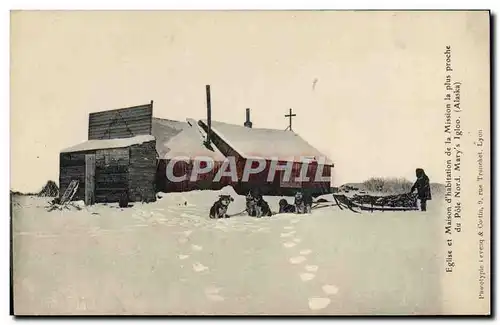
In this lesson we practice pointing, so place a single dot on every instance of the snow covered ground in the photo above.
(168, 257)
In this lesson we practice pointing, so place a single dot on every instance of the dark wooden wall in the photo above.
(259, 180)
(72, 167)
(111, 174)
(142, 172)
(204, 181)
(130, 170)
(120, 123)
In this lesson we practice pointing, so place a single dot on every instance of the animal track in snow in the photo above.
(317, 303)
(289, 244)
(288, 234)
(212, 290)
(198, 267)
(182, 257)
(212, 293)
(305, 252)
(311, 268)
(196, 247)
(297, 259)
(307, 276)
(330, 289)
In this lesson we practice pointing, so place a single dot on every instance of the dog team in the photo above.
(257, 207)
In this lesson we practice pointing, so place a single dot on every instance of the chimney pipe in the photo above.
(209, 115)
(248, 123)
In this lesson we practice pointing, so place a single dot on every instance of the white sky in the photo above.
(376, 110)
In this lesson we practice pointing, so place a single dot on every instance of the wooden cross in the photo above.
(290, 115)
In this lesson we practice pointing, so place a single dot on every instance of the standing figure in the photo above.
(423, 187)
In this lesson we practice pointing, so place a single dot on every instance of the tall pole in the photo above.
(209, 114)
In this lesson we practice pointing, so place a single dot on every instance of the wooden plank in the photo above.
(122, 127)
(69, 192)
(89, 179)
(126, 111)
(72, 157)
(142, 172)
(106, 177)
(104, 121)
(112, 157)
(112, 169)
(119, 127)
(120, 123)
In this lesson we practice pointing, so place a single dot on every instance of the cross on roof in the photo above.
(290, 115)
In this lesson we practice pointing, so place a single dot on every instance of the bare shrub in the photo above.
(374, 184)
(388, 185)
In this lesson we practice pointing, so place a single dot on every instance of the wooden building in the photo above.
(118, 157)
(128, 151)
(284, 147)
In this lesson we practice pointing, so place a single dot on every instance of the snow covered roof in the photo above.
(109, 143)
(266, 143)
(181, 139)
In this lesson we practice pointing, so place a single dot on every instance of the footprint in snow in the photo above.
(330, 289)
(305, 252)
(289, 244)
(288, 227)
(317, 303)
(307, 276)
(187, 232)
(198, 267)
(288, 234)
(182, 257)
(311, 268)
(196, 247)
(212, 293)
(297, 240)
(294, 221)
(297, 259)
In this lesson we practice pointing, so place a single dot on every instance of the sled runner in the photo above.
(66, 197)
(399, 202)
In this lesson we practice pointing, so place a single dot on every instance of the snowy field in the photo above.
(168, 257)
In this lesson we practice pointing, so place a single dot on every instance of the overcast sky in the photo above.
(367, 87)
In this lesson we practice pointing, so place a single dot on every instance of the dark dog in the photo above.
(219, 208)
(256, 206)
(303, 203)
(250, 204)
(262, 208)
(286, 207)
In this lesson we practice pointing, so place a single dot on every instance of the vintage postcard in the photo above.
(250, 162)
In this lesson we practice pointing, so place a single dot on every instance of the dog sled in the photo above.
(65, 201)
(357, 203)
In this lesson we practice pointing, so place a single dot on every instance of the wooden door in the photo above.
(89, 179)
